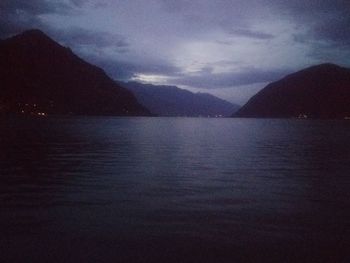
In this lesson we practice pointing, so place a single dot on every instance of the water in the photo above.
(174, 190)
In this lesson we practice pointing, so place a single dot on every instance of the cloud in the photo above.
(19, 15)
(33, 7)
(336, 31)
(206, 79)
(125, 70)
(241, 32)
(325, 29)
(14, 23)
(200, 44)
(322, 21)
(80, 37)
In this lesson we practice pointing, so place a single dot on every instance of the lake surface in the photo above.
(174, 190)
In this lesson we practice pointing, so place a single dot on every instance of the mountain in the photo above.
(39, 76)
(173, 101)
(321, 91)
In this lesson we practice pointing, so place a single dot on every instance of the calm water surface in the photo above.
(174, 190)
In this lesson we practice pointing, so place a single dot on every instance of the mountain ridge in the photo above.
(40, 75)
(320, 91)
(165, 100)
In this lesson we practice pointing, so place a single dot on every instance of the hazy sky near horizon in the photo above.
(225, 47)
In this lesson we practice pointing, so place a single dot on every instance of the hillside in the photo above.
(321, 91)
(39, 76)
(173, 101)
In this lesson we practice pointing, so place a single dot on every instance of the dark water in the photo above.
(174, 190)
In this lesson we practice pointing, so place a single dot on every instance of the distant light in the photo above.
(302, 116)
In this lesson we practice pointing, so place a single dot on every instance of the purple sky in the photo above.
(225, 47)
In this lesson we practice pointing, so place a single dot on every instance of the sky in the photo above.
(229, 48)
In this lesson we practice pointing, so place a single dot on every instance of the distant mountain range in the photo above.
(321, 91)
(38, 76)
(173, 101)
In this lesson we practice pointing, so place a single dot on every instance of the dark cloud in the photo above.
(241, 32)
(206, 79)
(32, 7)
(337, 30)
(326, 20)
(224, 15)
(80, 37)
(326, 27)
(79, 3)
(311, 9)
(19, 15)
(12, 23)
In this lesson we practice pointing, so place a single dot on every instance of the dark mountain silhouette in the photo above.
(38, 75)
(321, 91)
(173, 101)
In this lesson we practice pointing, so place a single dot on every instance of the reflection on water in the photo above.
(174, 190)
